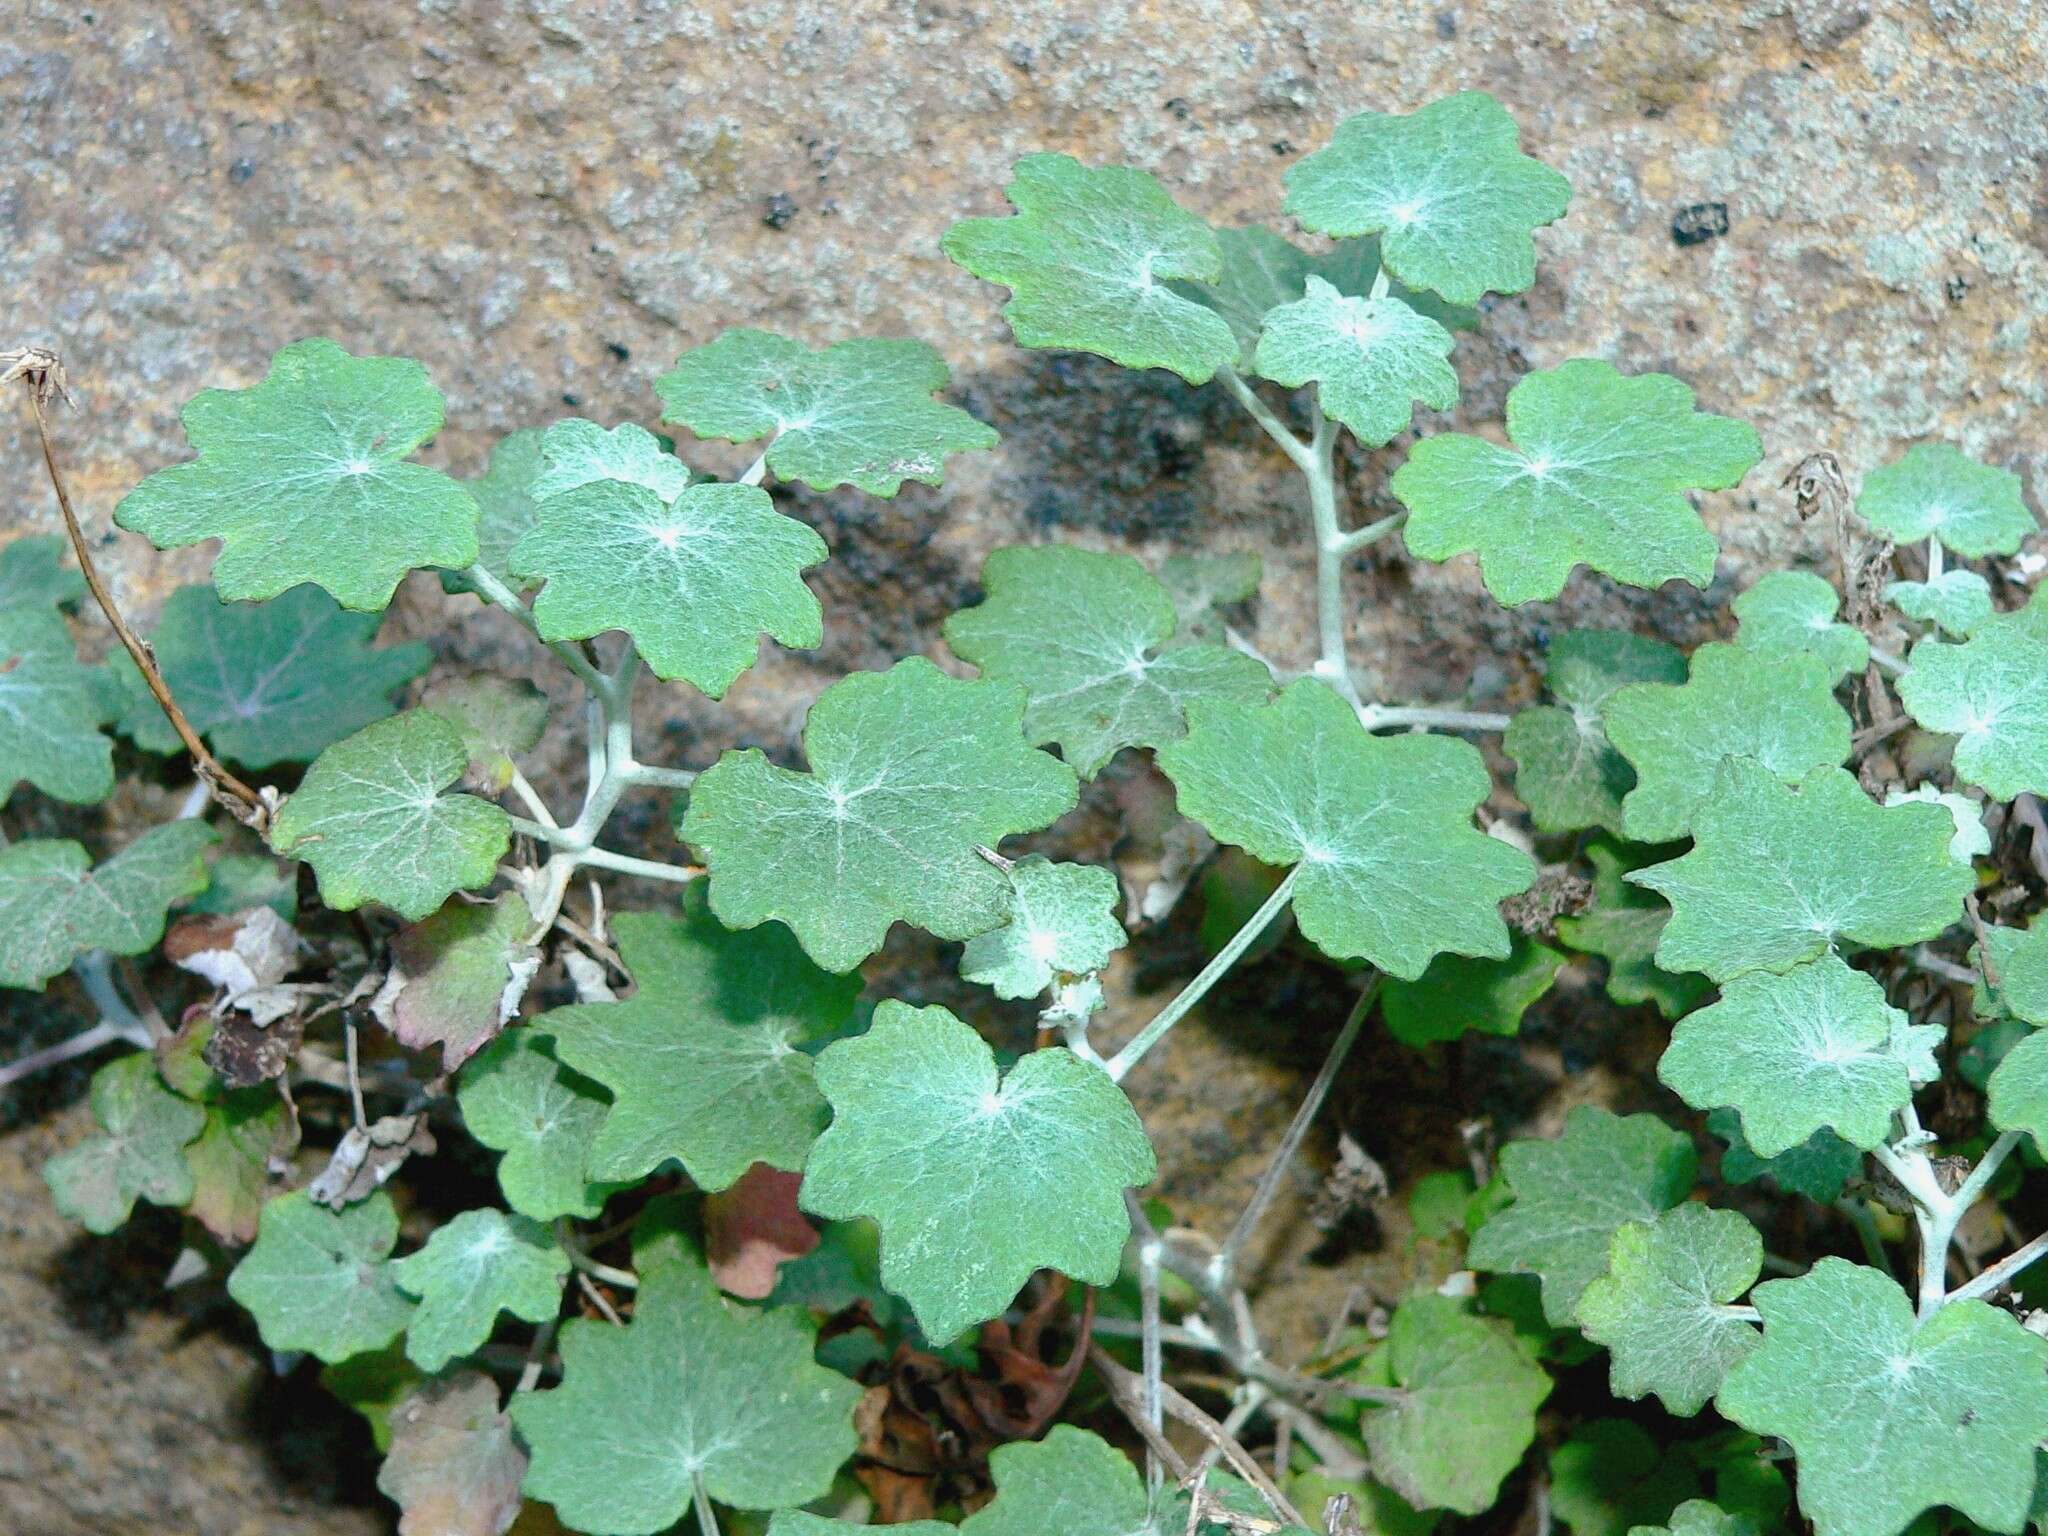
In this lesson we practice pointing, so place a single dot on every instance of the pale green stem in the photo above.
(657, 778)
(1934, 559)
(1150, 1354)
(758, 470)
(1358, 538)
(1283, 1156)
(530, 798)
(1333, 666)
(646, 869)
(1937, 1214)
(625, 1280)
(1120, 1064)
(1380, 717)
(502, 596)
(707, 1522)
(2003, 1273)
(1889, 662)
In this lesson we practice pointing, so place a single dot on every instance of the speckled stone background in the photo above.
(547, 201)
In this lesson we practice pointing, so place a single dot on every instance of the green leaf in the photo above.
(1457, 994)
(1071, 1483)
(1062, 923)
(239, 881)
(51, 708)
(1991, 692)
(1778, 874)
(1201, 585)
(911, 772)
(373, 1385)
(1956, 602)
(474, 1267)
(1622, 926)
(1662, 1309)
(857, 413)
(140, 1156)
(1088, 637)
(504, 498)
(33, 574)
(1611, 1476)
(1467, 1410)
(1937, 491)
(1698, 1517)
(497, 718)
(320, 1280)
(705, 1061)
(976, 1181)
(54, 906)
(1089, 260)
(1972, 837)
(695, 1387)
(1889, 1415)
(1792, 613)
(1391, 868)
(304, 478)
(575, 453)
(517, 1099)
(1371, 360)
(453, 1467)
(1573, 1194)
(1597, 474)
(1819, 1167)
(1816, 1048)
(371, 819)
(457, 978)
(2019, 958)
(2019, 1089)
(230, 1162)
(267, 683)
(695, 581)
(1566, 770)
(1447, 189)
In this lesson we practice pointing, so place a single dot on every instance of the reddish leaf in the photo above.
(752, 1229)
(453, 1468)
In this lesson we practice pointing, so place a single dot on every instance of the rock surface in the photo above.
(547, 201)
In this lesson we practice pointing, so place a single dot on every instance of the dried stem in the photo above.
(42, 380)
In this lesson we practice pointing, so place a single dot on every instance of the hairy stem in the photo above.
(1120, 1064)
(2003, 1273)
(1297, 1131)
(1358, 538)
(239, 799)
(707, 1522)
(499, 595)
(1937, 1213)
(1377, 717)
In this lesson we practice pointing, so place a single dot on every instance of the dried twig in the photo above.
(41, 373)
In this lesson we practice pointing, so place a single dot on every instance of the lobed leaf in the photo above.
(1890, 1415)
(517, 1099)
(1814, 1048)
(1573, 1194)
(575, 453)
(1088, 638)
(1991, 693)
(266, 683)
(321, 1280)
(696, 580)
(857, 413)
(51, 709)
(1819, 1167)
(305, 477)
(911, 772)
(1792, 613)
(976, 1179)
(1778, 874)
(481, 1263)
(33, 574)
(1938, 492)
(497, 718)
(1596, 473)
(139, 1155)
(1623, 926)
(1447, 189)
(2018, 1089)
(1371, 360)
(694, 1388)
(1610, 1476)
(453, 1468)
(231, 1159)
(372, 819)
(1467, 1407)
(1956, 602)
(1090, 259)
(1566, 770)
(1662, 1308)
(1071, 1483)
(2019, 958)
(55, 904)
(1062, 923)
(1391, 868)
(457, 977)
(1457, 994)
(706, 1061)
(505, 513)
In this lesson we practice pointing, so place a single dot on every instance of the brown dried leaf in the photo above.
(453, 1468)
(244, 1053)
(367, 1158)
(246, 954)
(752, 1229)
